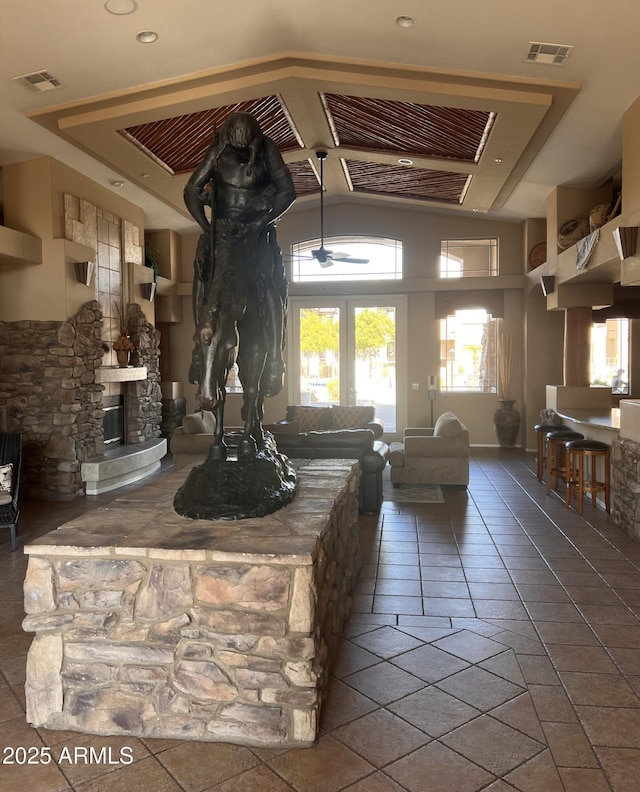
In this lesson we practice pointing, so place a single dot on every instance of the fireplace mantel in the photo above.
(118, 374)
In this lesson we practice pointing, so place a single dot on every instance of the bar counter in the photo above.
(593, 423)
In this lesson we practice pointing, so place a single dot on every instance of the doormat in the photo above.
(412, 493)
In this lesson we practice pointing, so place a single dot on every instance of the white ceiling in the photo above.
(95, 53)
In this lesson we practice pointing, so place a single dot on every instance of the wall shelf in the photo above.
(19, 248)
(117, 374)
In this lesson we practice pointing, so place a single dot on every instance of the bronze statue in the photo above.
(240, 288)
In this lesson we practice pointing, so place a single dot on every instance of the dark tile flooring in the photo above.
(494, 643)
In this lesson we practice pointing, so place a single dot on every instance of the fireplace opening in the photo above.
(113, 420)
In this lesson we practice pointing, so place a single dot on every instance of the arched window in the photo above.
(382, 259)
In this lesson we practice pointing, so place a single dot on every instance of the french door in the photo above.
(349, 352)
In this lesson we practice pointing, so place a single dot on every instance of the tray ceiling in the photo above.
(469, 137)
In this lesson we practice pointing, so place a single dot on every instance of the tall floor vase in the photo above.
(506, 422)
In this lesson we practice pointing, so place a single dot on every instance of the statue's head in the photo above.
(241, 131)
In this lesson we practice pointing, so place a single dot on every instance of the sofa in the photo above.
(438, 455)
(333, 418)
(190, 443)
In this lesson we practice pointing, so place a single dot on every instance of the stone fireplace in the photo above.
(53, 381)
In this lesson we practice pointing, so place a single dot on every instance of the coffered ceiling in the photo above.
(445, 115)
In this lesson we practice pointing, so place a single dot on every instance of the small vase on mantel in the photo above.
(506, 422)
(122, 356)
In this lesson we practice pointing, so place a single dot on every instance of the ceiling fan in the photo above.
(323, 256)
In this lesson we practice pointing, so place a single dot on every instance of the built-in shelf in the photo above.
(118, 374)
(74, 252)
(17, 247)
(164, 285)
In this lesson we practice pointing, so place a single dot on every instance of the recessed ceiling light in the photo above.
(475, 209)
(120, 7)
(147, 36)
(117, 183)
(405, 161)
(405, 21)
(498, 160)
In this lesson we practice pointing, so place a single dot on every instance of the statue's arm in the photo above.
(194, 187)
(281, 178)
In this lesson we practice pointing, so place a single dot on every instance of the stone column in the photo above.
(577, 329)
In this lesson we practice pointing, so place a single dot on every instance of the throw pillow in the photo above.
(447, 425)
(352, 417)
(6, 474)
(199, 423)
(310, 419)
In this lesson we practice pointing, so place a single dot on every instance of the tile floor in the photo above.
(494, 644)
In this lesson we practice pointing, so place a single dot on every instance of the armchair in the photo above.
(438, 455)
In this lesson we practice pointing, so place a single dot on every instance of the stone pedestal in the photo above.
(151, 624)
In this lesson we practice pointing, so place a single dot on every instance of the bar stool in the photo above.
(556, 455)
(542, 429)
(580, 479)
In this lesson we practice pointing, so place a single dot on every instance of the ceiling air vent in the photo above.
(551, 54)
(39, 81)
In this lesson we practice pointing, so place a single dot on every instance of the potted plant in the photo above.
(506, 420)
(123, 345)
(151, 261)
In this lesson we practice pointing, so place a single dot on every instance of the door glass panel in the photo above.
(320, 356)
(374, 344)
(346, 352)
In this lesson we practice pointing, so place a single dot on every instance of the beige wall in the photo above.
(420, 232)
(543, 354)
(34, 204)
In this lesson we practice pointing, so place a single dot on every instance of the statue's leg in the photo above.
(258, 431)
(251, 365)
(218, 450)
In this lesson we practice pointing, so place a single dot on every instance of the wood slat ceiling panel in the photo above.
(180, 143)
(418, 183)
(304, 177)
(408, 128)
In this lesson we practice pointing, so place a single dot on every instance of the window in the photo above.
(610, 355)
(468, 258)
(468, 352)
(384, 260)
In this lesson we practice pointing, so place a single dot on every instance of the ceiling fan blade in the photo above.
(345, 257)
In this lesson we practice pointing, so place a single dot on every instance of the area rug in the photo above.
(412, 493)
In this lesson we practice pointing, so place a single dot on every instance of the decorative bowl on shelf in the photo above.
(571, 232)
(538, 255)
(598, 216)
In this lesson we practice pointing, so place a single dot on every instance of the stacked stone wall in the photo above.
(625, 485)
(231, 646)
(49, 394)
(144, 397)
